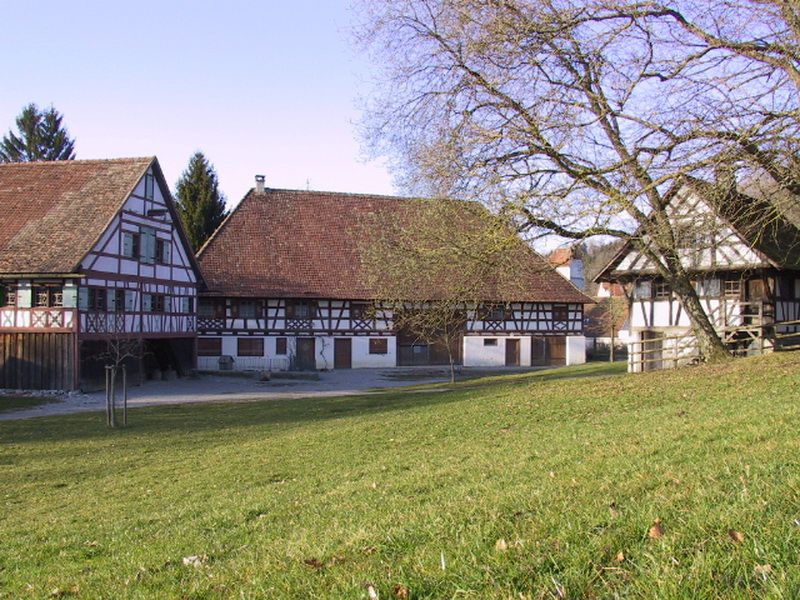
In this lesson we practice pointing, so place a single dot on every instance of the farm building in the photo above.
(743, 249)
(285, 290)
(91, 253)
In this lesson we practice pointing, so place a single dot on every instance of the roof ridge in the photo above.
(131, 159)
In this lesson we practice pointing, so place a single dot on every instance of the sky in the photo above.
(267, 87)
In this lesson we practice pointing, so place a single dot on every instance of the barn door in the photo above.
(512, 352)
(557, 350)
(306, 354)
(539, 353)
(342, 353)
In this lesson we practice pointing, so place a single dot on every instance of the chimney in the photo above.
(260, 184)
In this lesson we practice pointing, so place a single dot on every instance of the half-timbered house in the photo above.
(743, 250)
(91, 253)
(284, 290)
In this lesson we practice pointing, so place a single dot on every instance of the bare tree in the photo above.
(119, 349)
(579, 115)
(434, 264)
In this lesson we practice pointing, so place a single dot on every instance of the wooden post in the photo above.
(124, 397)
(108, 396)
(113, 395)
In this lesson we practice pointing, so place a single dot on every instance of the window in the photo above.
(212, 308)
(159, 303)
(153, 303)
(280, 345)
(8, 295)
(710, 286)
(250, 346)
(119, 300)
(47, 296)
(786, 287)
(490, 341)
(733, 288)
(131, 244)
(359, 310)
(96, 299)
(378, 346)
(560, 312)
(162, 252)
(495, 312)
(643, 289)
(246, 309)
(301, 309)
(661, 291)
(149, 186)
(187, 304)
(209, 346)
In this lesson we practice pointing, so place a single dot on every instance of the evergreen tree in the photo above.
(41, 137)
(200, 203)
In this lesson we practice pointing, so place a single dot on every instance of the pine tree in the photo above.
(41, 137)
(200, 203)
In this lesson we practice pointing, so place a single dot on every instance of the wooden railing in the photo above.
(671, 351)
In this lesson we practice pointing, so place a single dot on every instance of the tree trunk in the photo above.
(613, 341)
(710, 345)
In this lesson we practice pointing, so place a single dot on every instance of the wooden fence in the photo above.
(670, 351)
(37, 361)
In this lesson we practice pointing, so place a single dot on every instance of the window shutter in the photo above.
(127, 244)
(70, 297)
(83, 298)
(24, 295)
(111, 300)
(148, 241)
(130, 300)
(185, 304)
(167, 252)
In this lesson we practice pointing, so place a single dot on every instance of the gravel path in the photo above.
(215, 388)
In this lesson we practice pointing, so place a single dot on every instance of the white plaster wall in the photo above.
(476, 354)
(576, 349)
(362, 359)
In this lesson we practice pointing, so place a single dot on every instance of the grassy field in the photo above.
(574, 483)
(12, 403)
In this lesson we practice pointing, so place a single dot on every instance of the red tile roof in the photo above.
(289, 243)
(52, 213)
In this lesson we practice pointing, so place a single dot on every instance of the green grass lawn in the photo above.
(535, 485)
(12, 403)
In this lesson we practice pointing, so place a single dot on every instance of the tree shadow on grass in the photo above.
(219, 416)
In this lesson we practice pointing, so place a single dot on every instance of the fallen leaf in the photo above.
(620, 557)
(763, 570)
(656, 530)
(400, 592)
(552, 474)
(736, 536)
(369, 549)
(314, 563)
(612, 508)
(92, 544)
(501, 545)
(195, 560)
(372, 593)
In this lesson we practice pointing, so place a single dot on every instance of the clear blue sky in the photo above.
(261, 87)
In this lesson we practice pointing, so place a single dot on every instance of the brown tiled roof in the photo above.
(288, 243)
(52, 213)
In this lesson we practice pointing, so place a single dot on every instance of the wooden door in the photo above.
(557, 350)
(539, 352)
(306, 359)
(652, 350)
(512, 352)
(342, 353)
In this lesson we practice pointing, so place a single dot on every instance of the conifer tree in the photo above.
(200, 203)
(41, 137)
